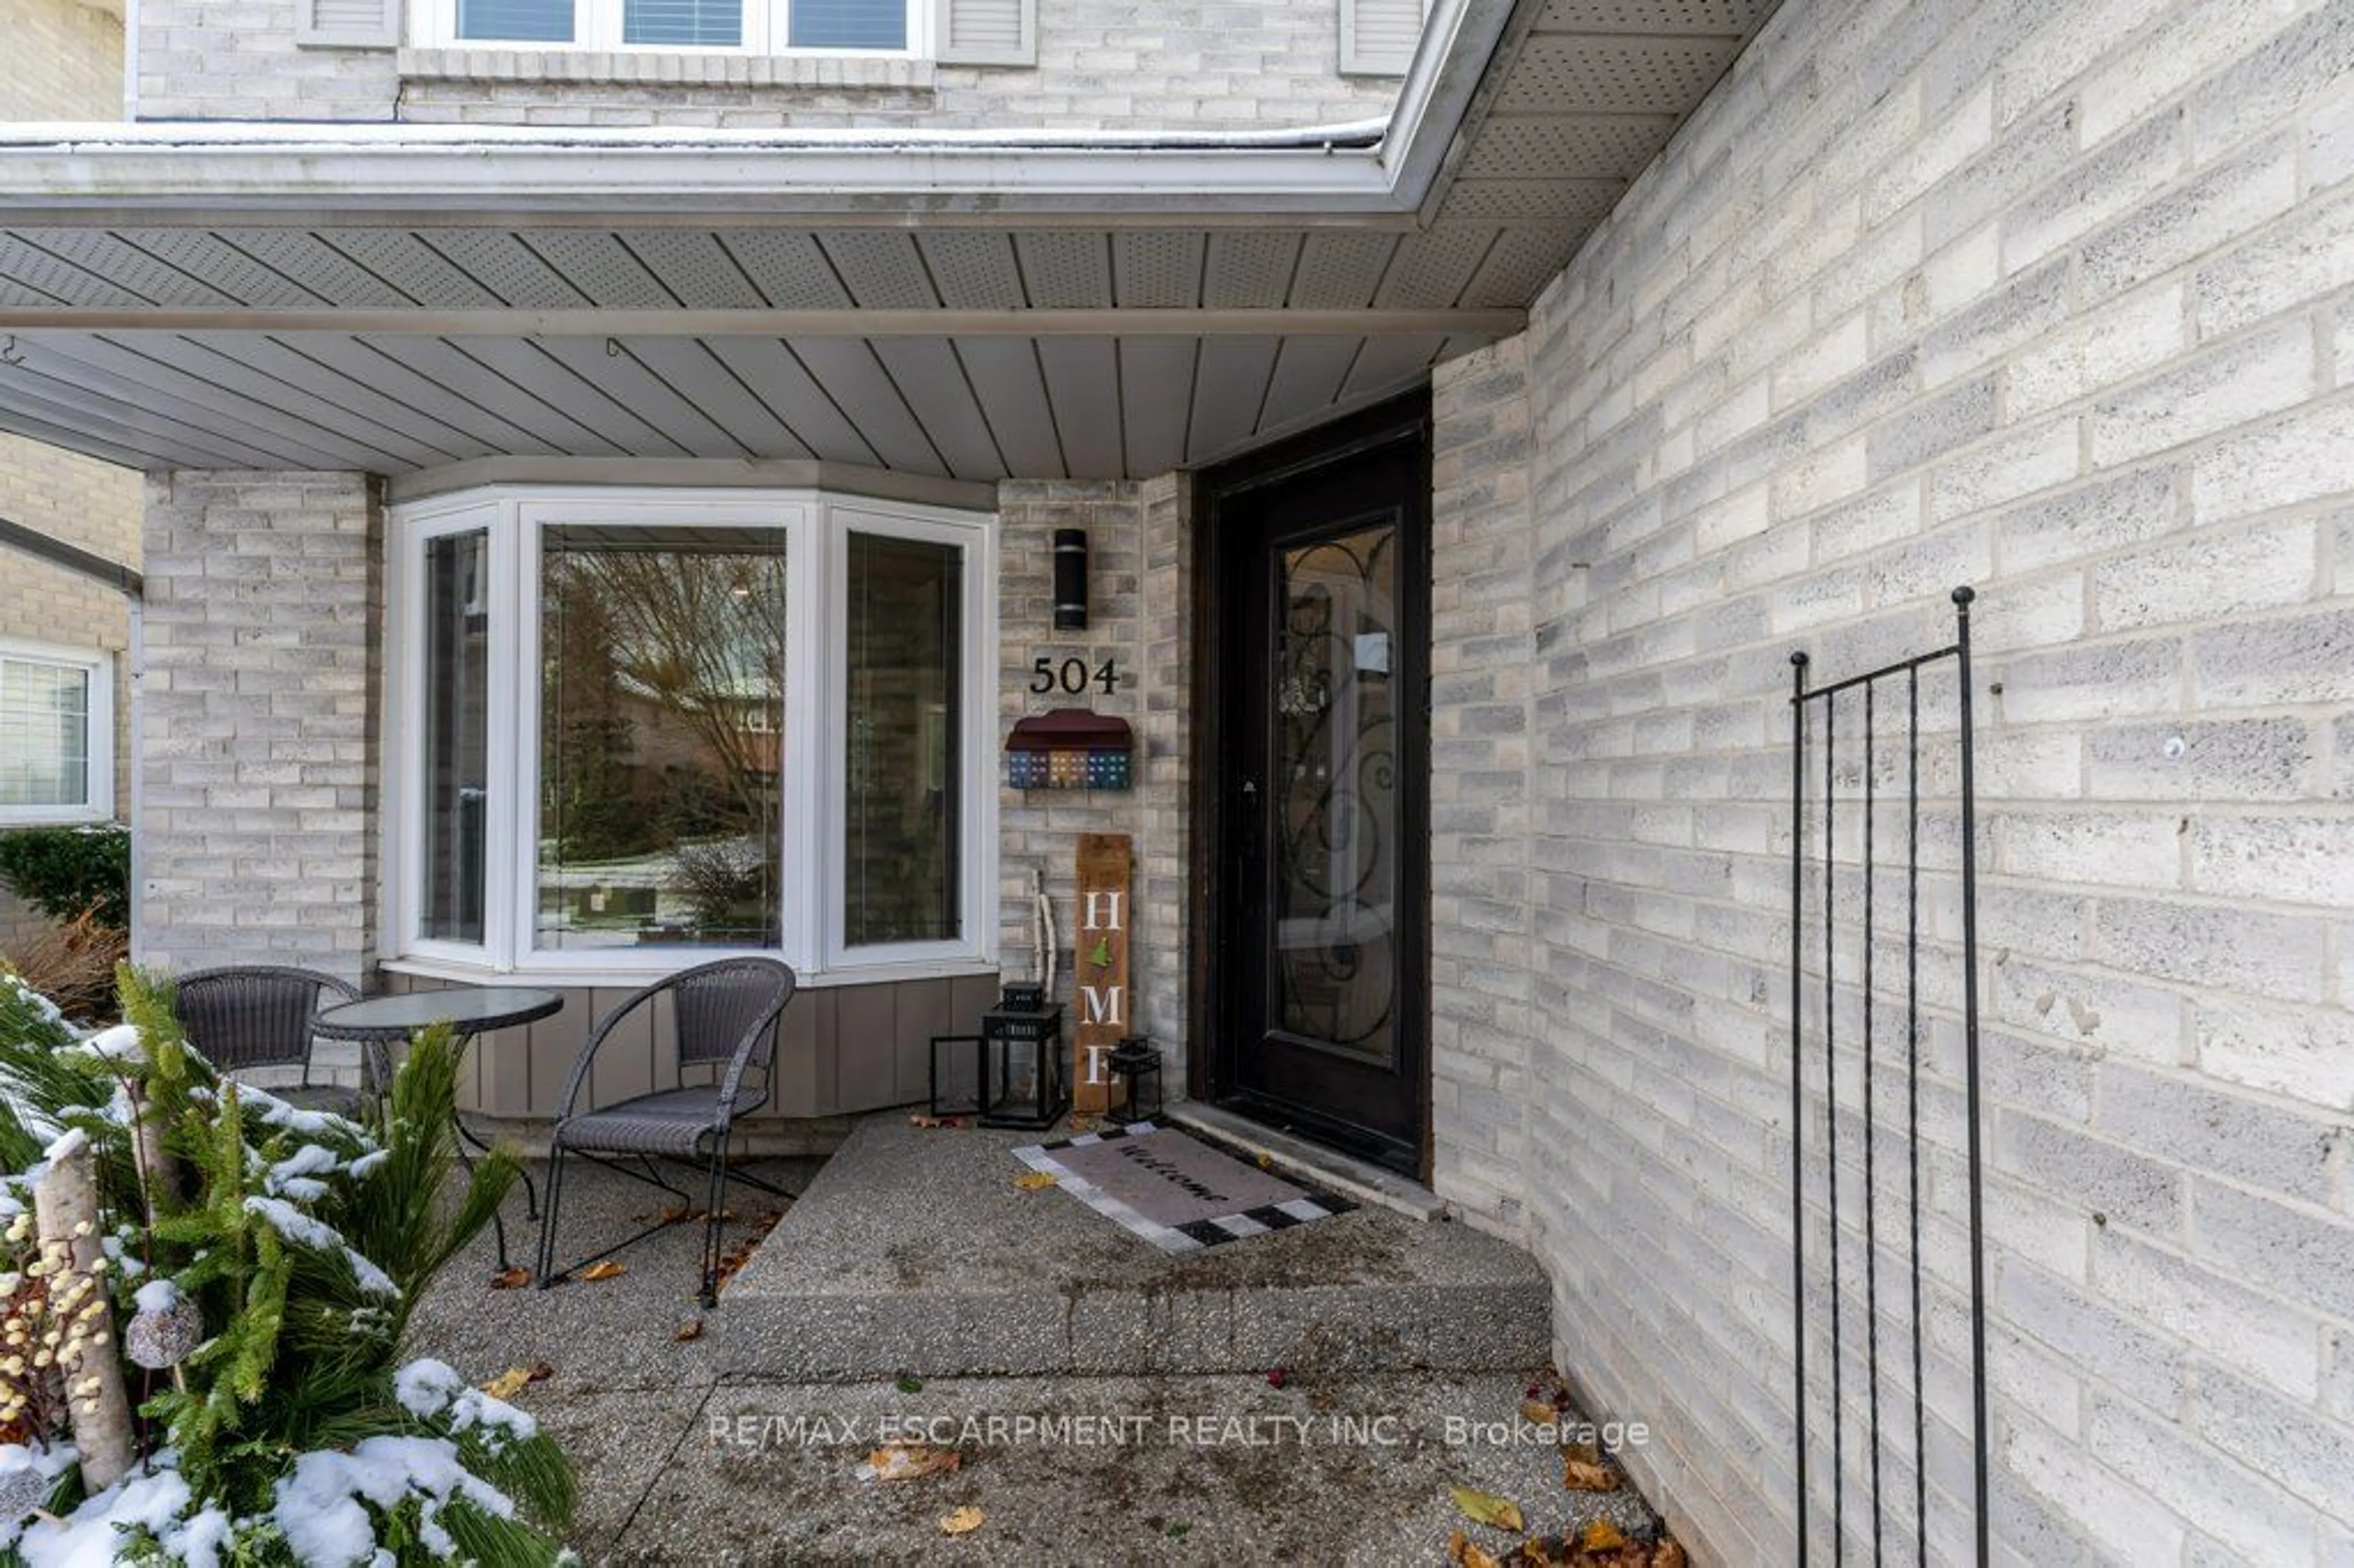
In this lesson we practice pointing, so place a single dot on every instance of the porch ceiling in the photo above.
(245, 297)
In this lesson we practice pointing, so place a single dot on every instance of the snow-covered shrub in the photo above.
(265, 1259)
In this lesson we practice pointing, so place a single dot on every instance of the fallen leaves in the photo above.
(1486, 1508)
(733, 1260)
(1465, 1553)
(1600, 1535)
(608, 1269)
(514, 1380)
(1600, 1544)
(1277, 1376)
(511, 1279)
(690, 1329)
(928, 1122)
(1035, 1180)
(963, 1522)
(905, 1461)
(1582, 1470)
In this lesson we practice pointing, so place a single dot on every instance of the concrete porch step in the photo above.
(913, 1251)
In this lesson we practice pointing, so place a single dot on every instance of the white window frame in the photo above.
(597, 27)
(811, 918)
(97, 804)
(976, 726)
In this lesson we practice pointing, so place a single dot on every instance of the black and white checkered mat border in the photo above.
(1193, 1237)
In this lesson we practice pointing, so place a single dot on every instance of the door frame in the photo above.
(1402, 419)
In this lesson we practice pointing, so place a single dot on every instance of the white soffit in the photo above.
(961, 305)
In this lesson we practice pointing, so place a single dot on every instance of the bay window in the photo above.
(757, 26)
(632, 729)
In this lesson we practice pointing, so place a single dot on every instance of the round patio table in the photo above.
(468, 1010)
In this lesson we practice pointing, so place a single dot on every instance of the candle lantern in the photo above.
(1136, 1065)
(1024, 1080)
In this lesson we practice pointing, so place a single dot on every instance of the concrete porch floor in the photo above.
(913, 1250)
(685, 1458)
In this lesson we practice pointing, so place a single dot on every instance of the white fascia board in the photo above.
(1374, 171)
(516, 181)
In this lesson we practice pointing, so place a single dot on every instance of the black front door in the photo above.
(1320, 572)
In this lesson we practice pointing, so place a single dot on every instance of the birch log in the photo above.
(65, 1213)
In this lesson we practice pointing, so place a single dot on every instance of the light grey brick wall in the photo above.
(1139, 566)
(2055, 301)
(73, 56)
(1190, 63)
(258, 825)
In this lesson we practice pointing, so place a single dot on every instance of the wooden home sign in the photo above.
(1099, 995)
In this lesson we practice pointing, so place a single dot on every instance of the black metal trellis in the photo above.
(1906, 675)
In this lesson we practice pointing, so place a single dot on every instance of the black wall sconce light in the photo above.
(1070, 579)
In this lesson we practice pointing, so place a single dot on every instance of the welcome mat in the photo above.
(1175, 1192)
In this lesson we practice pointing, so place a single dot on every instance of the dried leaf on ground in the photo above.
(541, 1371)
(608, 1269)
(1537, 1413)
(1601, 1535)
(933, 1121)
(1464, 1552)
(964, 1521)
(690, 1329)
(1669, 1554)
(1586, 1474)
(904, 1461)
(736, 1257)
(511, 1279)
(508, 1384)
(1489, 1509)
(1035, 1180)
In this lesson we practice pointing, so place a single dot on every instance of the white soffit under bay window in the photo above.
(56, 734)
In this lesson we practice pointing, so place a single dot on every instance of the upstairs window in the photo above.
(758, 26)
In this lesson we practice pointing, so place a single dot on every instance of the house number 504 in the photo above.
(1071, 676)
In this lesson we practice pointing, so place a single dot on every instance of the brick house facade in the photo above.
(2053, 303)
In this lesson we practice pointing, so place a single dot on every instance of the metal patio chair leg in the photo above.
(548, 1222)
(718, 1195)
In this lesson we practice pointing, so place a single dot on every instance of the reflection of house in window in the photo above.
(661, 714)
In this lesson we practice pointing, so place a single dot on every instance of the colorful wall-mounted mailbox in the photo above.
(1070, 748)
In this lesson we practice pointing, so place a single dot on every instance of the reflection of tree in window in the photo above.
(906, 618)
(661, 730)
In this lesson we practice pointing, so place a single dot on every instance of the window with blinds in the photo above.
(849, 24)
(758, 26)
(516, 21)
(702, 24)
(56, 736)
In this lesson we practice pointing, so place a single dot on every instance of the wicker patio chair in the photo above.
(260, 1016)
(727, 1015)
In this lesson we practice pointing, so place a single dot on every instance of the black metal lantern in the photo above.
(1025, 1082)
(956, 1075)
(1138, 1066)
